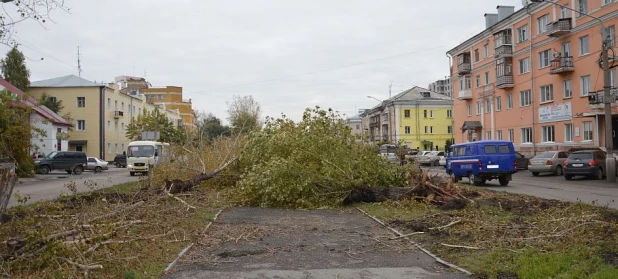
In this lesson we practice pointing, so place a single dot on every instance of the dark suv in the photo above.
(120, 161)
(70, 161)
(589, 163)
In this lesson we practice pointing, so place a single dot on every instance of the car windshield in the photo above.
(51, 155)
(581, 156)
(545, 155)
(141, 151)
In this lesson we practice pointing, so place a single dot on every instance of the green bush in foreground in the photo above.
(312, 163)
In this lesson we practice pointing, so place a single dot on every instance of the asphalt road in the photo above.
(50, 186)
(598, 192)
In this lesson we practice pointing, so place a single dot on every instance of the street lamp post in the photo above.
(610, 171)
(371, 97)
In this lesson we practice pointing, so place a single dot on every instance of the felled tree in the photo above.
(314, 162)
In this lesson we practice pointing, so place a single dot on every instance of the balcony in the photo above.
(118, 113)
(503, 51)
(562, 65)
(559, 27)
(464, 68)
(465, 94)
(505, 81)
(596, 100)
(385, 122)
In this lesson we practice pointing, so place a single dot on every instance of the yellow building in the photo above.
(416, 117)
(100, 112)
(171, 98)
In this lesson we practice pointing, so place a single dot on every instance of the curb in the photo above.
(184, 251)
(399, 234)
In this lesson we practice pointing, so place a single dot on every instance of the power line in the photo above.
(314, 72)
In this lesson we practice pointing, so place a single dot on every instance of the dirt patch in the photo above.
(454, 204)
(245, 240)
(521, 205)
(506, 275)
(611, 258)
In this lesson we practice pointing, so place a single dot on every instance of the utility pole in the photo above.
(390, 87)
(79, 63)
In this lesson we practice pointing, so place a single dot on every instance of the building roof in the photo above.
(416, 93)
(355, 118)
(43, 111)
(65, 81)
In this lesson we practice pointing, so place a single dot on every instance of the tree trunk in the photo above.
(7, 182)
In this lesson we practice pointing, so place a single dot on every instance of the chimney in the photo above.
(490, 20)
(505, 11)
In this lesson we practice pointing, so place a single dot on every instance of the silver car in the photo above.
(96, 164)
(549, 162)
(432, 158)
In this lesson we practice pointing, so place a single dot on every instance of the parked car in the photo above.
(391, 157)
(443, 160)
(70, 161)
(96, 164)
(522, 161)
(120, 161)
(550, 161)
(431, 158)
(480, 161)
(589, 163)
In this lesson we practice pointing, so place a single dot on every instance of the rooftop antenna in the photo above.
(79, 63)
(389, 89)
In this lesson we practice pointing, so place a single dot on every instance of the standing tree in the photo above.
(51, 103)
(147, 121)
(14, 69)
(244, 114)
(209, 127)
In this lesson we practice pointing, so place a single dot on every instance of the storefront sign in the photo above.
(556, 112)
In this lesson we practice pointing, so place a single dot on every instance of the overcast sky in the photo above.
(288, 54)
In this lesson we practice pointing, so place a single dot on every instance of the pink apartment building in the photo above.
(528, 76)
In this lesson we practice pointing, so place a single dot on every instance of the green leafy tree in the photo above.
(209, 127)
(15, 134)
(315, 162)
(155, 120)
(244, 114)
(14, 69)
(51, 103)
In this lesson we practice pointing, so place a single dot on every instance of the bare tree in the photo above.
(16, 11)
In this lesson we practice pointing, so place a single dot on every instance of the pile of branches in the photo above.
(434, 188)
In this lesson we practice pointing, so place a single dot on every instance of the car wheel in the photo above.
(132, 173)
(599, 175)
(452, 176)
(535, 174)
(44, 169)
(558, 170)
(98, 169)
(117, 165)
(78, 170)
(568, 177)
(503, 181)
(436, 163)
(474, 180)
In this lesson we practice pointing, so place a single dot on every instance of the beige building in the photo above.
(100, 112)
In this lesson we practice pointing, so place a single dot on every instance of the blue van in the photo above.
(481, 161)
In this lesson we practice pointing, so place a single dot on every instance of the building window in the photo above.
(478, 81)
(406, 113)
(476, 55)
(584, 47)
(159, 97)
(522, 34)
(499, 103)
(469, 109)
(449, 113)
(499, 135)
(511, 133)
(478, 108)
(488, 135)
(81, 125)
(425, 113)
(611, 32)
(584, 85)
(122, 127)
(116, 126)
(81, 102)
(568, 132)
(548, 134)
(487, 105)
(583, 7)
(109, 147)
(544, 58)
(526, 135)
(525, 98)
(509, 101)
(486, 50)
(542, 23)
(431, 114)
(564, 11)
(122, 106)
(426, 129)
(605, 2)
(116, 148)
(122, 148)
(407, 130)
(486, 78)
(109, 103)
(449, 129)
(567, 89)
(431, 129)
(612, 77)
(115, 104)
(109, 125)
(547, 93)
(524, 65)
(587, 127)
